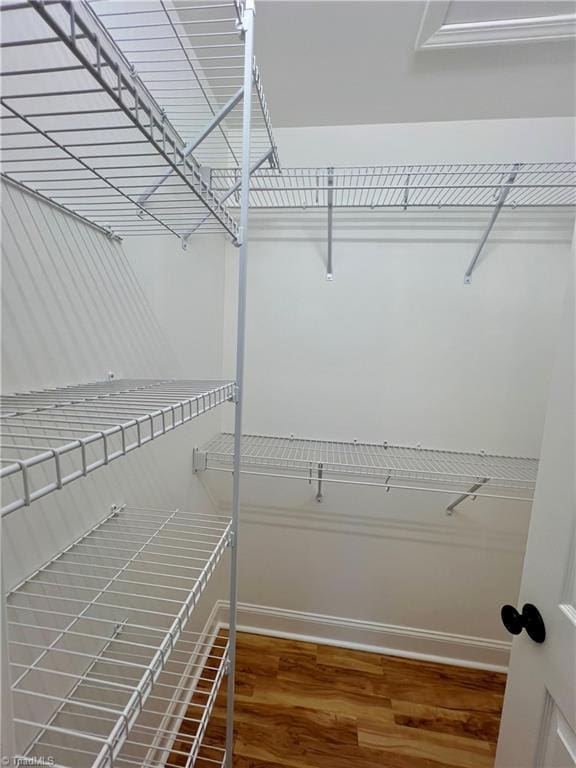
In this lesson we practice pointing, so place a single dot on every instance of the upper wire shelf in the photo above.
(55, 436)
(409, 186)
(106, 670)
(87, 124)
(390, 466)
(191, 57)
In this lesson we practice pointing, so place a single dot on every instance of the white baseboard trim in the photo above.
(214, 622)
(407, 642)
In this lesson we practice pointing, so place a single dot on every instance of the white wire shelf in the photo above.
(410, 186)
(381, 464)
(86, 125)
(190, 56)
(105, 668)
(52, 437)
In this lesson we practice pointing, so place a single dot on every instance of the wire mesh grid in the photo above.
(410, 186)
(55, 436)
(82, 128)
(387, 463)
(190, 55)
(105, 668)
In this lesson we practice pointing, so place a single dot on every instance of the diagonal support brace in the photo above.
(194, 144)
(227, 194)
(476, 487)
(504, 192)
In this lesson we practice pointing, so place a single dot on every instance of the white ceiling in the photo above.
(341, 62)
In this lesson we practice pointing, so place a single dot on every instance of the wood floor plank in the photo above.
(318, 756)
(452, 751)
(299, 692)
(240, 761)
(343, 679)
(443, 686)
(482, 726)
(253, 662)
(303, 705)
(262, 644)
(345, 658)
(303, 722)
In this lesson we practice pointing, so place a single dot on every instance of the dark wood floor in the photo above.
(301, 705)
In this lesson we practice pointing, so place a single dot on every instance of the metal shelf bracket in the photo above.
(247, 5)
(504, 192)
(198, 460)
(233, 189)
(476, 487)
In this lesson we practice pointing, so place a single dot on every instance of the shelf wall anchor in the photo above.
(199, 463)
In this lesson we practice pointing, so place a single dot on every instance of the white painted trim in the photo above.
(434, 16)
(434, 32)
(388, 639)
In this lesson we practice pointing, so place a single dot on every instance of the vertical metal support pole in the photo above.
(248, 24)
(329, 269)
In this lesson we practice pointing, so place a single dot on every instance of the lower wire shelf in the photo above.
(107, 669)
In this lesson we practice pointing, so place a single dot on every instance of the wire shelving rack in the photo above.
(107, 650)
(378, 464)
(190, 57)
(106, 669)
(128, 115)
(55, 436)
(87, 125)
(460, 187)
(406, 187)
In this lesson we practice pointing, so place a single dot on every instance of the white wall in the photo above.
(397, 348)
(76, 306)
(544, 139)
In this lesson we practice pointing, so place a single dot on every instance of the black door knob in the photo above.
(530, 619)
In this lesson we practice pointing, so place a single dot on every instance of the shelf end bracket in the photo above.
(199, 460)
